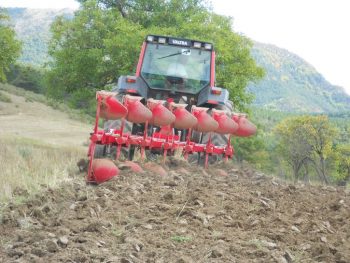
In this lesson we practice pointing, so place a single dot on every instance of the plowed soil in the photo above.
(222, 214)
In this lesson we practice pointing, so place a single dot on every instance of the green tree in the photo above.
(148, 13)
(343, 162)
(9, 46)
(254, 150)
(292, 144)
(306, 140)
(320, 134)
(103, 41)
(27, 77)
(89, 52)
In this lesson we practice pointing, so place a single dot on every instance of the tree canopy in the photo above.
(343, 161)
(9, 46)
(103, 41)
(305, 140)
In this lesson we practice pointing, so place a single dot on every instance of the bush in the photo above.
(5, 98)
(26, 77)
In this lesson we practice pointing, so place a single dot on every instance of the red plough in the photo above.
(172, 118)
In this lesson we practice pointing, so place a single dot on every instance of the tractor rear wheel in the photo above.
(100, 151)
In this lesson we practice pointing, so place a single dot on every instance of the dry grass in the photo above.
(28, 166)
(30, 96)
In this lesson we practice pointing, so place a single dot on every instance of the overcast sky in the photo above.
(316, 30)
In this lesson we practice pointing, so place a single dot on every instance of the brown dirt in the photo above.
(223, 214)
(189, 215)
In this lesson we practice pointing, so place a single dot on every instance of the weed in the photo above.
(54, 104)
(24, 152)
(180, 239)
(259, 245)
(298, 256)
(216, 235)
(117, 233)
(256, 243)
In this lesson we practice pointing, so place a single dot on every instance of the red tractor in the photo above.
(171, 103)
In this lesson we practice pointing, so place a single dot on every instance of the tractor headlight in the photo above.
(197, 44)
(208, 46)
(162, 40)
(150, 38)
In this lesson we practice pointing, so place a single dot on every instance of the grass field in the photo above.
(40, 142)
(28, 165)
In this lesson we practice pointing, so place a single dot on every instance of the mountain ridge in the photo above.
(293, 84)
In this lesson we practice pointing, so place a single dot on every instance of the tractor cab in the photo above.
(176, 65)
(177, 69)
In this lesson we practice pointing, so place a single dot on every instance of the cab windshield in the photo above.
(175, 68)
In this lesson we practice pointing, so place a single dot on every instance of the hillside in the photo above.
(27, 117)
(40, 142)
(292, 84)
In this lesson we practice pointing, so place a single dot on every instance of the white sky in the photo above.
(316, 30)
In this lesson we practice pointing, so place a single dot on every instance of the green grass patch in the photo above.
(181, 239)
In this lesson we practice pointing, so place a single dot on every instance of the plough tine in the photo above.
(188, 140)
(91, 158)
(98, 108)
(207, 152)
(119, 146)
(165, 152)
(228, 145)
(145, 135)
(200, 141)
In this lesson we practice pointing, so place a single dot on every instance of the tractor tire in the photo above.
(100, 151)
(128, 128)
